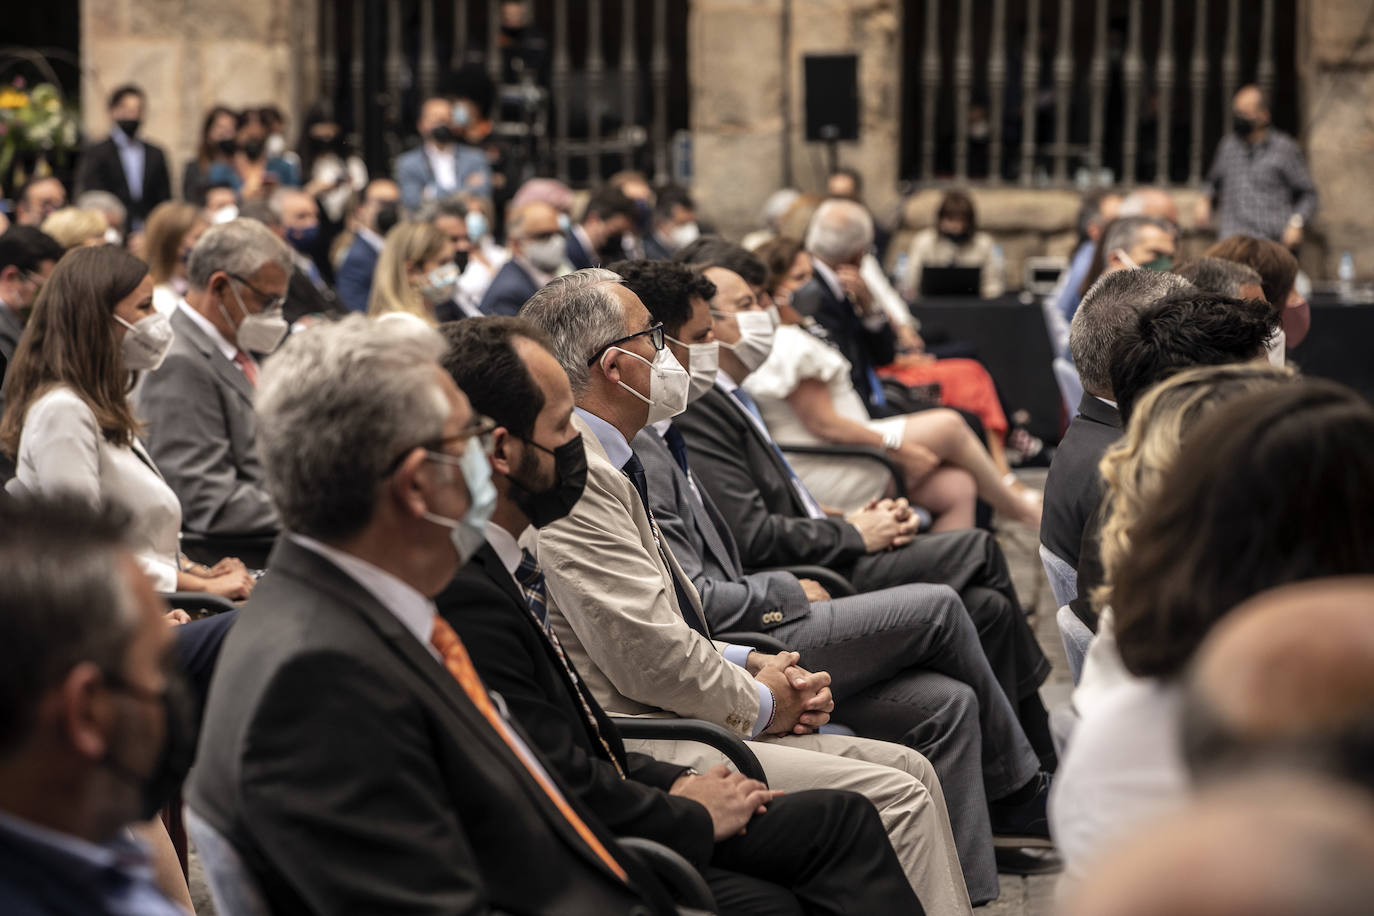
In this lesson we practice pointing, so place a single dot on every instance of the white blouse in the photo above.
(799, 355)
(61, 449)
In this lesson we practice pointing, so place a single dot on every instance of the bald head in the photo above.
(1150, 202)
(1271, 847)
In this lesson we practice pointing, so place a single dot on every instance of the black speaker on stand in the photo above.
(831, 86)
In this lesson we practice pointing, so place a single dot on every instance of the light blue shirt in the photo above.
(132, 155)
(1078, 269)
(618, 452)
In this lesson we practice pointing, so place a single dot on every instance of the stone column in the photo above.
(189, 55)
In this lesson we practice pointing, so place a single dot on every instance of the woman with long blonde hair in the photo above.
(415, 272)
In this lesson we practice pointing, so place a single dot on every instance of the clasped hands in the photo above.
(802, 700)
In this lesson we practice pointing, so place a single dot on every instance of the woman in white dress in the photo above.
(68, 422)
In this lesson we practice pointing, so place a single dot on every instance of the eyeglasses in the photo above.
(269, 303)
(480, 429)
(656, 336)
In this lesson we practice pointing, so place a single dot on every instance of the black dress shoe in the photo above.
(1028, 861)
(1023, 823)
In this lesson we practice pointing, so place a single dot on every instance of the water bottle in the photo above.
(1346, 274)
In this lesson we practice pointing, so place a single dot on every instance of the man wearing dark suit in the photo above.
(351, 754)
(836, 297)
(375, 217)
(776, 522)
(537, 251)
(596, 240)
(1073, 490)
(199, 403)
(133, 170)
(498, 605)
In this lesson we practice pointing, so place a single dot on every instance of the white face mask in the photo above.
(146, 343)
(669, 384)
(683, 235)
(440, 283)
(545, 254)
(703, 362)
(470, 532)
(260, 333)
(755, 339)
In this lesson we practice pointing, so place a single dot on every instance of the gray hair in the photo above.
(776, 206)
(336, 406)
(581, 315)
(1108, 310)
(840, 230)
(240, 247)
(276, 204)
(1122, 232)
(1217, 275)
(455, 205)
(105, 202)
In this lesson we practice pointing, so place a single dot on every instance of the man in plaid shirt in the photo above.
(1258, 179)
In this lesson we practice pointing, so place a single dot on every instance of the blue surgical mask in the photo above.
(470, 532)
(303, 239)
(477, 226)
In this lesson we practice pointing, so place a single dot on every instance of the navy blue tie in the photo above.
(813, 508)
(634, 470)
(678, 446)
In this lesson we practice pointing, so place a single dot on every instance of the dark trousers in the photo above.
(197, 649)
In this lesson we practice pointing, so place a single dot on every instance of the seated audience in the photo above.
(449, 216)
(304, 297)
(1129, 242)
(954, 241)
(632, 623)
(341, 682)
(27, 257)
(116, 217)
(497, 604)
(198, 405)
(72, 227)
(297, 217)
(252, 172)
(376, 214)
(1222, 525)
(440, 165)
(174, 228)
(94, 729)
(333, 173)
(674, 223)
(466, 220)
(130, 168)
(1073, 489)
(1278, 270)
(415, 273)
(597, 239)
(68, 424)
(217, 148)
(537, 250)
(38, 200)
(1097, 210)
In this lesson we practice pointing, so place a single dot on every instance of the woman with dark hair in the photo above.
(332, 171)
(252, 172)
(954, 241)
(1274, 486)
(68, 423)
(217, 146)
(1277, 269)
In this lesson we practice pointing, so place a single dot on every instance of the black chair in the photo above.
(683, 882)
(855, 451)
(728, 743)
(202, 602)
(209, 549)
(834, 583)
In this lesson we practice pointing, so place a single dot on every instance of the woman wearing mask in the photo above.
(415, 273)
(252, 173)
(68, 422)
(173, 228)
(334, 173)
(217, 147)
(955, 241)
(466, 219)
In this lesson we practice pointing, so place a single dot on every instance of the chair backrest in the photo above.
(1070, 386)
(232, 886)
(1076, 636)
(1063, 577)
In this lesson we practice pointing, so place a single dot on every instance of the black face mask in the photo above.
(460, 260)
(1243, 126)
(129, 126)
(442, 135)
(253, 149)
(388, 215)
(958, 238)
(227, 147)
(178, 750)
(570, 474)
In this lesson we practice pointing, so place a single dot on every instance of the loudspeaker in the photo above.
(832, 96)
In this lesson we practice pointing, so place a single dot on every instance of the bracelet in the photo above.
(892, 440)
(772, 710)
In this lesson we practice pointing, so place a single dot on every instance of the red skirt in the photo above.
(964, 383)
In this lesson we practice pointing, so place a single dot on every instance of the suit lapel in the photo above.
(716, 532)
(769, 449)
(225, 369)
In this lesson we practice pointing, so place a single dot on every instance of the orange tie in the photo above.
(250, 368)
(456, 660)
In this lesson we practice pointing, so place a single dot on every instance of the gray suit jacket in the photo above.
(700, 540)
(202, 434)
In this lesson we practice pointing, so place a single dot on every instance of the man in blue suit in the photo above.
(537, 253)
(440, 165)
(376, 215)
(596, 240)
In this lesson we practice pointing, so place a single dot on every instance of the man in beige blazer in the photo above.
(631, 621)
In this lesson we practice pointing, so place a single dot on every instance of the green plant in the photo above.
(38, 124)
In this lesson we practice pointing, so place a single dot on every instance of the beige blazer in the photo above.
(611, 603)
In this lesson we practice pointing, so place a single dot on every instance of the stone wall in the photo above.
(189, 55)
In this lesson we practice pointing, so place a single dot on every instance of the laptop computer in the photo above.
(951, 281)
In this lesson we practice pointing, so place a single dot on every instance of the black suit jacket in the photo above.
(655, 248)
(303, 298)
(751, 488)
(865, 349)
(509, 290)
(578, 256)
(1073, 490)
(518, 661)
(354, 775)
(102, 170)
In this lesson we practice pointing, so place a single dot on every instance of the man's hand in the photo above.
(732, 799)
(757, 661)
(855, 286)
(226, 566)
(814, 590)
(1292, 237)
(889, 523)
(1202, 213)
(176, 617)
(236, 585)
(802, 700)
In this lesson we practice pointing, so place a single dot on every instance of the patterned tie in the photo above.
(456, 660)
(531, 580)
(250, 368)
(634, 470)
(813, 508)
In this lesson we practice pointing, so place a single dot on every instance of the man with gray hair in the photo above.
(199, 403)
(1073, 490)
(538, 250)
(1138, 241)
(351, 755)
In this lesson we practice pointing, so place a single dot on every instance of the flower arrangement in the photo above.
(39, 129)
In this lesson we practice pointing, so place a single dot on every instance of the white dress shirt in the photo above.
(444, 165)
(230, 351)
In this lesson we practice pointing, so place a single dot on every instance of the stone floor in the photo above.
(1020, 896)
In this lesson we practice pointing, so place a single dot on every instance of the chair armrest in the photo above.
(209, 549)
(855, 451)
(198, 601)
(683, 882)
(834, 583)
(761, 641)
(709, 733)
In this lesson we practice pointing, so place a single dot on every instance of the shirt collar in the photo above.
(829, 276)
(372, 238)
(412, 609)
(228, 349)
(617, 450)
(661, 427)
(505, 545)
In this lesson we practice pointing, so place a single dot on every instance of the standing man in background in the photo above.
(131, 169)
